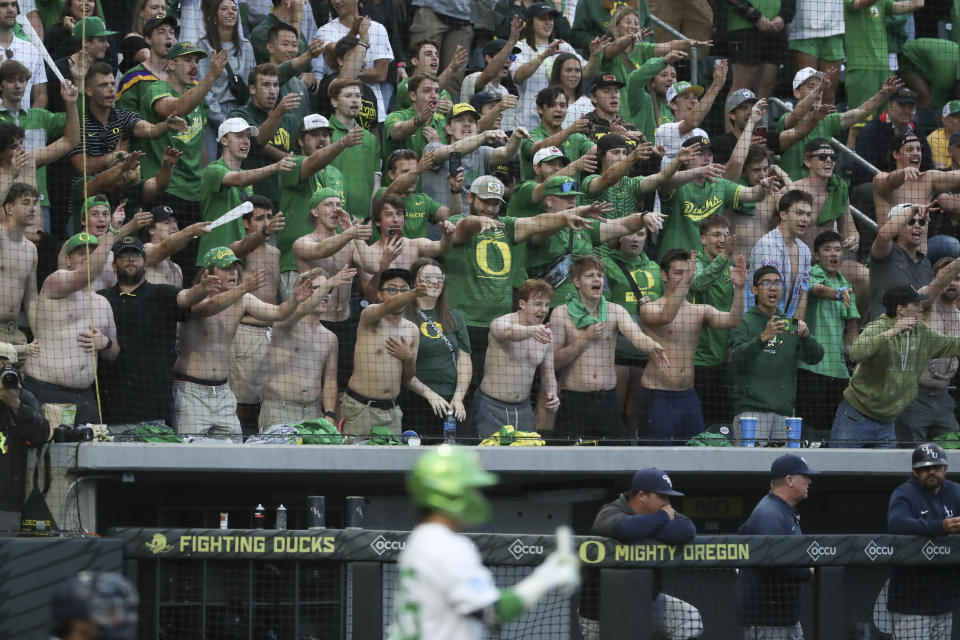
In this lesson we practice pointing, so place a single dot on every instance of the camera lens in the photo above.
(82, 433)
(9, 377)
(63, 433)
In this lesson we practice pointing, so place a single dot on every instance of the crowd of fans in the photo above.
(519, 213)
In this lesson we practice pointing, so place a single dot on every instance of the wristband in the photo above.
(109, 344)
(330, 414)
(456, 191)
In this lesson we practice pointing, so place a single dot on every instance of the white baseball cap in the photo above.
(315, 121)
(805, 74)
(235, 125)
(547, 153)
(8, 351)
(488, 188)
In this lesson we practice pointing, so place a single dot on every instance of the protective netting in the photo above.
(583, 223)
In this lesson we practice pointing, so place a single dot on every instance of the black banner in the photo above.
(506, 549)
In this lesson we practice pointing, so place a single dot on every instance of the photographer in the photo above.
(22, 425)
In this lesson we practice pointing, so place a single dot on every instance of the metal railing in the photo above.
(694, 71)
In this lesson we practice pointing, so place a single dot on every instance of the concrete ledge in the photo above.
(573, 461)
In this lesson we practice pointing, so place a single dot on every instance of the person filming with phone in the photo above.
(891, 354)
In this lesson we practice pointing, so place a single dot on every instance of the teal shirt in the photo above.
(827, 321)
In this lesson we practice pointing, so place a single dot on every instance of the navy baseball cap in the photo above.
(653, 480)
(790, 465)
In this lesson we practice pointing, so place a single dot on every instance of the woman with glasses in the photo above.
(444, 366)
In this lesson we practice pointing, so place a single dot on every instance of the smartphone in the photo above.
(454, 162)
(760, 131)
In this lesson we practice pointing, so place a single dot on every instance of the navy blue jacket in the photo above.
(770, 597)
(617, 520)
(914, 510)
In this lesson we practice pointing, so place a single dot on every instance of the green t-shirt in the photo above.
(421, 209)
(573, 147)
(689, 205)
(216, 200)
(827, 320)
(644, 272)
(185, 182)
(41, 127)
(624, 196)
(435, 365)
(938, 62)
(769, 9)
(640, 104)
(360, 162)
(416, 142)
(623, 65)
(403, 96)
(480, 274)
(541, 256)
(791, 160)
(295, 204)
(711, 285)
(282, 139)
(133, 84)
(521, 205)
(865, 36)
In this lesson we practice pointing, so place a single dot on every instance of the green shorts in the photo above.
(863, 84)
(829, 48)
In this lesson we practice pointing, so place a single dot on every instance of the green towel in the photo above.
(837, 200)
(581, 315)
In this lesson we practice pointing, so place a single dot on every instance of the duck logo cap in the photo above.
(488, 188)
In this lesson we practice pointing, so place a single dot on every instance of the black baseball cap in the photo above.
(903, 95)
(155, 22)
(128, 243)
(790, 465)
(493, 47)
(653, 480)
(606, 80)
(542, 9)
(161, 212)
(481, 98)
(692, 140)
(902, 294)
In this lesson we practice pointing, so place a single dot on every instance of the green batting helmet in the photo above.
(446, 480)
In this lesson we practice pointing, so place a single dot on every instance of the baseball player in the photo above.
(921, 599)
(95, 606)
(445, 592)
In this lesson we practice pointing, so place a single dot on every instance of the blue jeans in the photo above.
(942, 246)
(853, 430)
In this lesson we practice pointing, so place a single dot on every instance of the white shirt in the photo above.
(442, 581)
(539, 79)
(577, 110)
(817, 19)
(510, 118)
(772, 250)
(668, 135)
(380, 49)
(29, 56)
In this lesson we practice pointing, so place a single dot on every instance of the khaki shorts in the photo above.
(361, 418)
(279, 412)
(249, 361)
(199, 409)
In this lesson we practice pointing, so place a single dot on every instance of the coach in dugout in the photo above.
(921, 599)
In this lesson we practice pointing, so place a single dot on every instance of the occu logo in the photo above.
(381, 545)
(517, 549)
(817, 551)
(874, 550)
(930, 550)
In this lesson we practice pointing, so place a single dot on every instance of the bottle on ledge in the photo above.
(450, 429)
(259, 517)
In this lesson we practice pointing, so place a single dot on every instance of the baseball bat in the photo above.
(36, 41)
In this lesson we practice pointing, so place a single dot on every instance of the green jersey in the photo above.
(573, 147)
(185, 182)
(865, 36)
(403, 96)
(295, 204)
(360, 162)
(436, 367)
(625, 196)
(791, 160)
(640, 104)
(689, 205)
(541, 256)
(521, 205)
(769, 8)
(132, 86)
(416, 141)
(711, 285)
(216, 199)
(480, 274)
(623, 65)
(827, 320)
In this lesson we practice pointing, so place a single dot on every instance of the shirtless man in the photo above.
(301, 382)
(61, 320)
(324, 247)
(673, 407)
(203, 401)
(831, 212)
(18, 262)
(162, 239)
(384, 358)
(251, 346)
(783, 248)
(906, 183)
(519, 343)
(392, 249)
(585, 340)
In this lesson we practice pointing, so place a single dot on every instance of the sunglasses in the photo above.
(567, 187)
(919, 221)
(823, 157)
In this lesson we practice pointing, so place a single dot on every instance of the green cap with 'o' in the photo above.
(80, 240)
(94, 201)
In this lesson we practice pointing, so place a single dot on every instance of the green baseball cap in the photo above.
(91, 27)
(447, 480)
(184, 49)
(93, 201)
(561, 186)
(82, 238)
(221, 257)
(951, 108)
(322, 194)
(680, 87)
